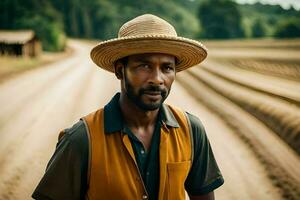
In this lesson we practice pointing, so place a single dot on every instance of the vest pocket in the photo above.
(177, 173)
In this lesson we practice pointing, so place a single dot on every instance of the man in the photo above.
(136, 147)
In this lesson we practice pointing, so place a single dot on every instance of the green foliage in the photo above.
(38, 15)
(107, 20)
(258, 29)
(50, 33)
(288, 29)
(102, 19)
(268, 15)
(52, 20)
(220, 19)
(186, 23)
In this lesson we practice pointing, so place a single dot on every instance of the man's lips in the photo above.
(154, 93)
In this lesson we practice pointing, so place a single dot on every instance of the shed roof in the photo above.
(16, 37)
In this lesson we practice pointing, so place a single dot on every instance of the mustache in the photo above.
(154, 88)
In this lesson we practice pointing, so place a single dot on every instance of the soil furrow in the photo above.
(278, 172)
(281, 117)
(290, 93)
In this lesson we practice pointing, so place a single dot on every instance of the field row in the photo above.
(281, 68)
(235, 104)
(293, 44)
(284, 89)
(271, 57)
(281, 116)
(280, 162)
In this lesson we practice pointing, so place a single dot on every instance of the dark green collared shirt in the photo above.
(66, 173)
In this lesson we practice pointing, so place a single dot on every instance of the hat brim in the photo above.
(188, 52)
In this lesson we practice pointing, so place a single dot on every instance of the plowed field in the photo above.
(247, 94)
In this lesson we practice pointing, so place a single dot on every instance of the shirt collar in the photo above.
(113, 119)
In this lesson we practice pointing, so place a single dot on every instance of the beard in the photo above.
(138, 100)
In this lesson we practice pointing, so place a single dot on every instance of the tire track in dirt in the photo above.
(18, 156)
(30, 88)
(40, 102)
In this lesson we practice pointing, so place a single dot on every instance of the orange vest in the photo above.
(113, 171)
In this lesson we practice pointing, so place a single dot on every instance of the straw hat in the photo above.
(148, 34)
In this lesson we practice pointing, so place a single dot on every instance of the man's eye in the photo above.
(146, 66)
(169, 68)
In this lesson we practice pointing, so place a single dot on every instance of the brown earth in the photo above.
(36, 105)
(11, 66)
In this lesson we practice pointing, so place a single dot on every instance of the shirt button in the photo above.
(148, 173)
(144, 197)
(142, 151)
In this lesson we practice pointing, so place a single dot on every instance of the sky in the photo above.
(284, 3)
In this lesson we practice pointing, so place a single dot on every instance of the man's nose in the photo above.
(156, 77)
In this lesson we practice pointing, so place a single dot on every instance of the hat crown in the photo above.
(146, 25)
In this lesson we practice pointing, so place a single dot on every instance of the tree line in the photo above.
(52, 20)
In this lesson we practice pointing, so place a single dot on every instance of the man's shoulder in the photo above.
(198, 130)
(195, 121)
(76, 134)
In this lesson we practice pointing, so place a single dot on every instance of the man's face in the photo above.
(148, 79)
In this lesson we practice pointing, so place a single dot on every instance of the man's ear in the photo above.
(118, 70)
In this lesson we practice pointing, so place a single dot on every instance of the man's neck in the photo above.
(140, 122)
(134, 116)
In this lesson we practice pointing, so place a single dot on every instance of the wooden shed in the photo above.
(19, 43)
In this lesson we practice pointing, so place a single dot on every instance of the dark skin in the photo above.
(144, 71)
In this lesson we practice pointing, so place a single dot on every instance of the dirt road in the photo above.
(36, 105)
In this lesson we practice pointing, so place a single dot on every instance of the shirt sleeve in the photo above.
(66, 172)
(204, 176)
